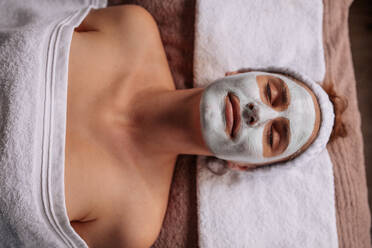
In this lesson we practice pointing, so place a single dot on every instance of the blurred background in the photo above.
(360, 31)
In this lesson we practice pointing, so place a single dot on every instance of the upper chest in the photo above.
(103, 76)
(104, 72)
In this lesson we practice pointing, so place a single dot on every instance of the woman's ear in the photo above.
(229, 73)
(242, 167)
(340, 104)
(235, 166)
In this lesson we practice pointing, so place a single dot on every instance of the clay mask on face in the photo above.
(247, 144)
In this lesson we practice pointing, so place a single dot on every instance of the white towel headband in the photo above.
(326, 124)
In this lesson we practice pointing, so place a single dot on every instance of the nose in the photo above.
(250, 114)
(256, 113)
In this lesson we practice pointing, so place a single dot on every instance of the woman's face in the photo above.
(257, 117)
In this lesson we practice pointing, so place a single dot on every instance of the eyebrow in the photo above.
(284, 91)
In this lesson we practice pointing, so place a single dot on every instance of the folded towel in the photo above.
(34, 46)
(291, 205)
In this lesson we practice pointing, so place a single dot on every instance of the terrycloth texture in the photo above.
(175, 19)
(34, 47)
(353, 214)
(291, 205)
(268, 213)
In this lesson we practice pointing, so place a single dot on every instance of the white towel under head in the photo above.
(291, 205)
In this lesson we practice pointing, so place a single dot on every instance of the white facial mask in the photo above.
(247, 146)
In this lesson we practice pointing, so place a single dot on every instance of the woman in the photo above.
(126, 125)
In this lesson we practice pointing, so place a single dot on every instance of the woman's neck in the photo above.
(168, 122)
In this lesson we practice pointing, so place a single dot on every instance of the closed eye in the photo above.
(276, 136)
(268, 92)
(275, 93)
(270, 136)
(273, 137)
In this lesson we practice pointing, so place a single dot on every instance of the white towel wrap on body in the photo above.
(35, 38)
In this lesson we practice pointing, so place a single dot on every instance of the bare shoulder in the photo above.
(126, 39)
(114, 18)
(128, 30)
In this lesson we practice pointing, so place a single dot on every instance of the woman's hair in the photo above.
(340, 104)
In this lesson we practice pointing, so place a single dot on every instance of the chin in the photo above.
(212, 120)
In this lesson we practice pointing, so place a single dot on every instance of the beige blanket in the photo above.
(175, 19)
(353, 216)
